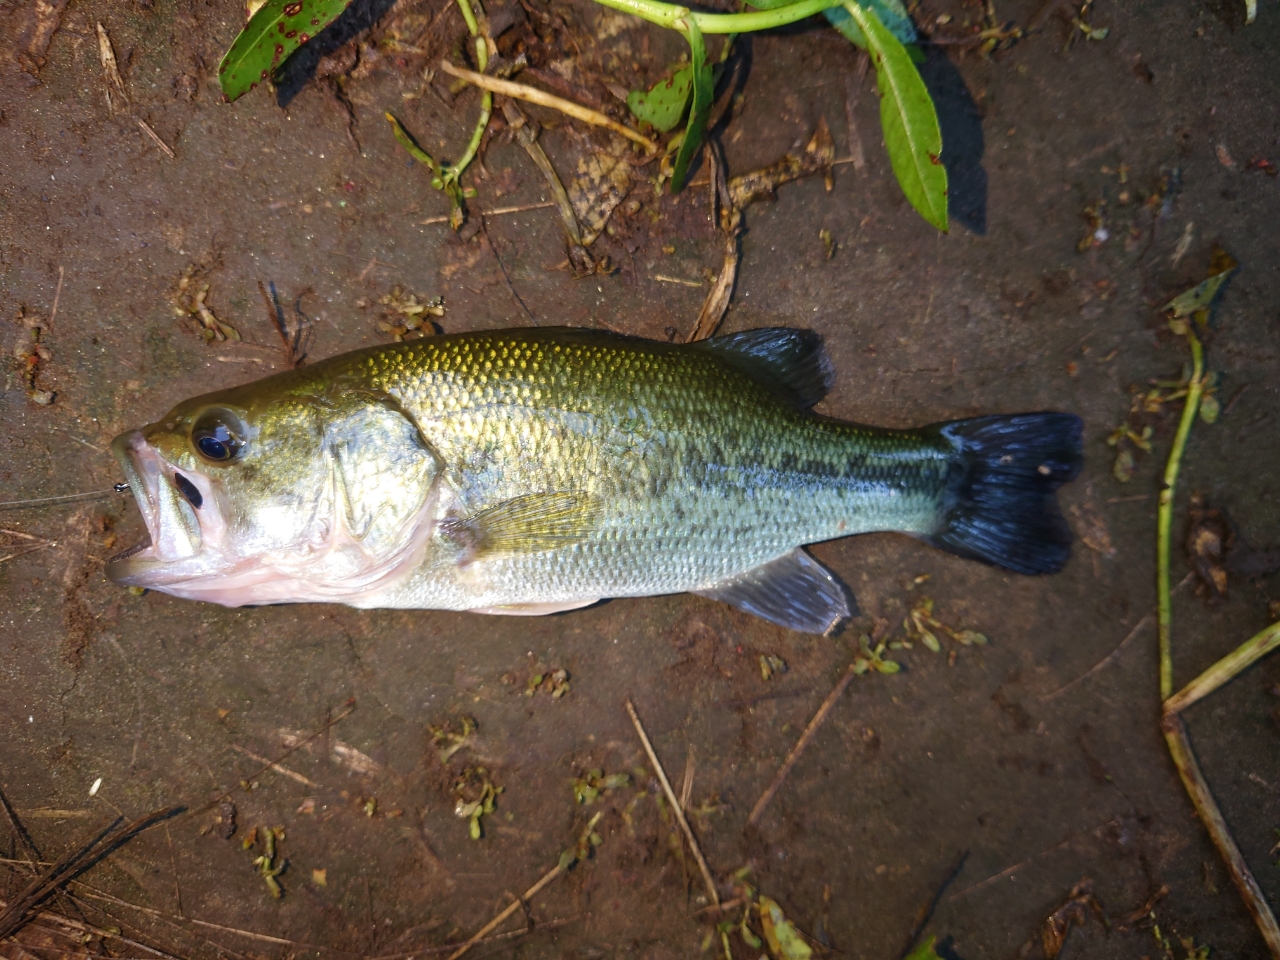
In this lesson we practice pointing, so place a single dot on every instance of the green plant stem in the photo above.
(669, 15)
(1164, 518)
(486, 98)
(1235, 662)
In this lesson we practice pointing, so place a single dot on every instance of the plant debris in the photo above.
(406, 316)
(588, 788)
(1209, 538)
(872, 658)
(268, 866)
(30, 353)
(920, 626)
(476, 795)
(770, 665)
(450, 738)
(554, 682)
(189, 300)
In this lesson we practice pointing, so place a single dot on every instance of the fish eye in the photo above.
(218, 435)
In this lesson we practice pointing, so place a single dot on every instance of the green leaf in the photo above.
(784, 940)
(891, 13)
(924, 952)
(909, 120)
(275, 31)
(703, 91)
(663, 105)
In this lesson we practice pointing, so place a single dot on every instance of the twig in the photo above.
(675, 805)
(803, 742)
(927, 909)
(1175, 735)
(284, 771)
(510, 909)
(1022, 863)
(522, 91)
(1234, 663)
(164, 147)
(57, 294)
(110, 70)
(33, 852)
(1164, 515)
(496, 212)
(663, 278)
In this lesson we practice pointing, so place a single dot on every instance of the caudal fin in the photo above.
(1000, 504)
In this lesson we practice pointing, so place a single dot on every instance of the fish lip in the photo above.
(144, 470)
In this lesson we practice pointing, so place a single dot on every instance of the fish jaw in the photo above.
(181, 542)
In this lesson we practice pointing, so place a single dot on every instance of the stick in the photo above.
(1164, 516)
(1234, 663)
(56, 295)
(1175, 735)
(511, 908)
(532, 94)
(285, 771)
(146, 128)
(671, 798)
(803, 742)
(496, 212)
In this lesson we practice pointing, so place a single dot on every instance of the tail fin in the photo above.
(1000, 504)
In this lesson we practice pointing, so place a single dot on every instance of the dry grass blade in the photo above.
(520, 91)
(803, 742)
(73, 864)
(716, 303)
(283, 771)
(675, 805)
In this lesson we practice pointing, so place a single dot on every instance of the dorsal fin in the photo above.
(791, 361)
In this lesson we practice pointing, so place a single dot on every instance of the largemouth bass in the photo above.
(539, 470)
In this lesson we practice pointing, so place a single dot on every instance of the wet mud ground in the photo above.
(160, 698)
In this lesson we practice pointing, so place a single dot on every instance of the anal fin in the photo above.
(794, 591)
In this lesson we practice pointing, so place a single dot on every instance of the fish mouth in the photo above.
(174, 541)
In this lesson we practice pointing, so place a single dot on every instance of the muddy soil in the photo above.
(976, 755)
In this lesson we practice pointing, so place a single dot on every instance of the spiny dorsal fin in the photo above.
(528, 524)
(795, 591)
(791, 361)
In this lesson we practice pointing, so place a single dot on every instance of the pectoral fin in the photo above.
(794, 591)
(528, 524)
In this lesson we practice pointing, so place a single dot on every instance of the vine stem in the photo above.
(486, 98)
(670, 15)
(1164, 518)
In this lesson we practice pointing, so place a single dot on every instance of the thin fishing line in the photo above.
(95, 495)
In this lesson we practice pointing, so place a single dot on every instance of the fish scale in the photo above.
(703, 472)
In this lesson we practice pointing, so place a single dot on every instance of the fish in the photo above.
(535, 471)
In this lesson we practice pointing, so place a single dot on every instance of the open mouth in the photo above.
(173, 530)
